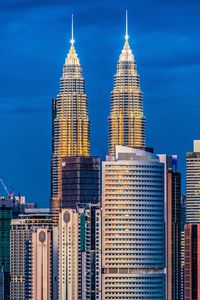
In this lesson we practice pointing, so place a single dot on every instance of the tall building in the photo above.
(80, 181)
(193, 184)
(80, 253)
(2, 285)
(32, 258)
(126, 120)
(41, 264)
(172, 226)
(6, 215)
(192, 227)
(133, 247)
(192, 262)
(70, 121)
(183, 221)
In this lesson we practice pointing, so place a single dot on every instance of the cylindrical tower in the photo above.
(133, 245)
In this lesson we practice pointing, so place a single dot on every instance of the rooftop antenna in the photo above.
(72, 41)
(126, 36)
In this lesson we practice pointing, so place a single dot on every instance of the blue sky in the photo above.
(165, 39)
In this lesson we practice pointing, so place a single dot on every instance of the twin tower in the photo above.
(71, 125)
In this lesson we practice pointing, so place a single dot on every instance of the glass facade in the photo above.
(5, 221)
(80, 181)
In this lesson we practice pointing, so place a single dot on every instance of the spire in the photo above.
(72, 41)
(126, 54)
(72, 57)
(126, 36)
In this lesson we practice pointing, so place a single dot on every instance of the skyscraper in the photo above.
(133, 248)
(193, 184)
(41, 257)
(192, 227)
(6, 214)
(80, 181)
(172, 226)
(192, 262)
(126, 120)
(183, 221)
(80, 253)
(70, 121)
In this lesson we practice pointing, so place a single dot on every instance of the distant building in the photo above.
(32, 258)
(193, 184)
(2, 286)
(173, 226)
(10, 207)
(133, 247)
(192, 227)
(80, 253)
(80, 181)
(183, 222)
(192, 262)
(6, 214)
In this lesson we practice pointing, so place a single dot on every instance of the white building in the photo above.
(193, 184)
(68, 254)
(133, 226)
(80, 253)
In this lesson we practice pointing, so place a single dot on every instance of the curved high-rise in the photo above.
(70, 121)
(133, 248)
(126, 120)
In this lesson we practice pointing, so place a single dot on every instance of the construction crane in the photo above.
(10, 195)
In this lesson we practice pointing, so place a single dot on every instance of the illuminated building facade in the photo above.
(68, 254)
(126, 120)
(133, 247)
(172, 226)
(192, 262)
(193, 184)
(41, 264)
(70, 121)
(80, 253)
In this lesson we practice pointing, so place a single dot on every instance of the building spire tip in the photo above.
(72, 41)
(126, 35)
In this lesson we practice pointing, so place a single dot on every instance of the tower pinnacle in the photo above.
(126, 120)
(72, 41)
(72, 57)
(126, 35)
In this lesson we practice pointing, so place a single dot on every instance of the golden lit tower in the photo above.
(70, 120)
(126, 121)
